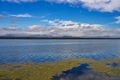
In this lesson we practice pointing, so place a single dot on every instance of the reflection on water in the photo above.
(52, 50)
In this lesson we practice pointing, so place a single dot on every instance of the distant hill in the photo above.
(13, 36)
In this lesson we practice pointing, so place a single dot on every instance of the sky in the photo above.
(79, 18)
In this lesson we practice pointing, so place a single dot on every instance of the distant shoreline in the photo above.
(56, 38)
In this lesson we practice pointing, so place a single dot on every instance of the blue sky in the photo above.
(45, 13)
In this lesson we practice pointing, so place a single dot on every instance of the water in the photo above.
(73, 73)
(12, 51)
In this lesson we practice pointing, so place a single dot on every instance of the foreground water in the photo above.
(52, 50)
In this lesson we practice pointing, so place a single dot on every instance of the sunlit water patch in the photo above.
(52, 50)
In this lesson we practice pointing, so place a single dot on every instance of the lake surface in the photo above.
(12, 51)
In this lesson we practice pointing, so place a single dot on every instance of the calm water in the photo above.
(52, 50)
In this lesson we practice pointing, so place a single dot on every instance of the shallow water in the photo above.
(73, 73)
(52, 50)
(82, 72)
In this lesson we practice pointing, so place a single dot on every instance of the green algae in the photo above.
(101, 66)
(45, 71)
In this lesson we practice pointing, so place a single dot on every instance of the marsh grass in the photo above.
(45, 71)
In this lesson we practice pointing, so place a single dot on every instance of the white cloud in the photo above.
(100, 5)
(62, 23)
(64, 1)
(118, 20)
(19, 1)
(65, 28)
(22, 15)
(70, 28)
(70, 24)
(33, 27)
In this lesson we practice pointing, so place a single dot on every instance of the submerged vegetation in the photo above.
(45, 71)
